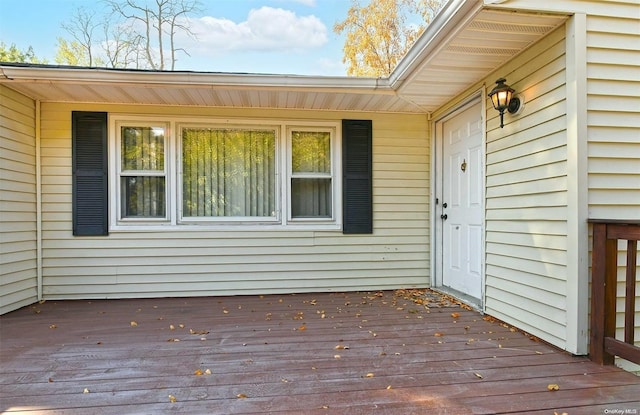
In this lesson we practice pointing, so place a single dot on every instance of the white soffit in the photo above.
(458, 49)
(472, 49)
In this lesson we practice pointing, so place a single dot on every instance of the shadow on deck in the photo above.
(400, 352)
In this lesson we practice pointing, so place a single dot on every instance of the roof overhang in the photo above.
(466, 42)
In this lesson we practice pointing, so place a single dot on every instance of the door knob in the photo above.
(444, 205)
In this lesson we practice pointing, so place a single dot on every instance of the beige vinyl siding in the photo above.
(18, 268)
(201, 261)
(526, 196)
(613, 108)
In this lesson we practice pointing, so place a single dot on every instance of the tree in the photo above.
(378, 35)
(71, 53)
(154, 24)
(122, 47)
(138, 34)
(81, 27)
(13, 54)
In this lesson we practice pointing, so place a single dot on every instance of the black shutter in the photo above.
(357, 187)
(90, 173)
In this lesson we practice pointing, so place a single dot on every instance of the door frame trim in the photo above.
(436, 193)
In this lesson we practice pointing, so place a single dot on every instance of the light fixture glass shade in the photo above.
(501, 95)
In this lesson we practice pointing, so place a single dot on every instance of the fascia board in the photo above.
(43, 73)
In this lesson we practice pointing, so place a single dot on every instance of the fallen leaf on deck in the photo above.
(133, 324)
(303, 327)
(172, 399)
(207, 372)
(337, 356)
(553, 387)
(479, 376)
(172, 327)
(369, 375)
(53, 326)
(181, 326)
(455, 315)
(341, 347)
(389, 387)
(241, 396)
(85, 390)
(192, 331)
(173, 340)
(50, 380)
(198, 372)
(438, 334)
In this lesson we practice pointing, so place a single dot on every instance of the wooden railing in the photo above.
(604, 347)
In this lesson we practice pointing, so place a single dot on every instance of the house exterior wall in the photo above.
(527, 206)
(611, 47)
(571, 155)
(606, 57)
(613, 123)
(210, 261)
(18, 266)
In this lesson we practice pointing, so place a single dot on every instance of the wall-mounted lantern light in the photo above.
(502, 98)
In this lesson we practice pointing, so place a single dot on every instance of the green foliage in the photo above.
(13, 54)
(70, 53)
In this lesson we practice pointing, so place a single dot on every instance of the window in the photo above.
(188, 171)
(216, 173)
(311, 175)
(142, 172)
(228, 173)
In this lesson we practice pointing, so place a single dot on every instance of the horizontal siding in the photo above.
(195, 261)
(18, 280)
(613, 108)
(526, 197)
(612, 105)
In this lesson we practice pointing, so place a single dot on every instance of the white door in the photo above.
(460, 204)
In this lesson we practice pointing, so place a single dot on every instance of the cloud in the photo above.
(310, 3)
(266, 29)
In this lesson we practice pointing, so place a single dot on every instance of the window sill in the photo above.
(227, 227)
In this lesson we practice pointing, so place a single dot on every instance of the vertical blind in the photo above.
(228, 172)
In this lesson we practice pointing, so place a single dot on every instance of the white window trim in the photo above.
(335, 174)
(229, 219)
(115, 170)
(173, 168)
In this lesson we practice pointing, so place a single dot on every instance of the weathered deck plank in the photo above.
(309, 353)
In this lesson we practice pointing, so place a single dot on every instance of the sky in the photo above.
(240, 36)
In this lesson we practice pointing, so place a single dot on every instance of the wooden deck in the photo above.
(353, 353)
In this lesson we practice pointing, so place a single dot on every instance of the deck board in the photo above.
(351, 353)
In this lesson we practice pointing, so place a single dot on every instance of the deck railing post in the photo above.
(604, 347)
